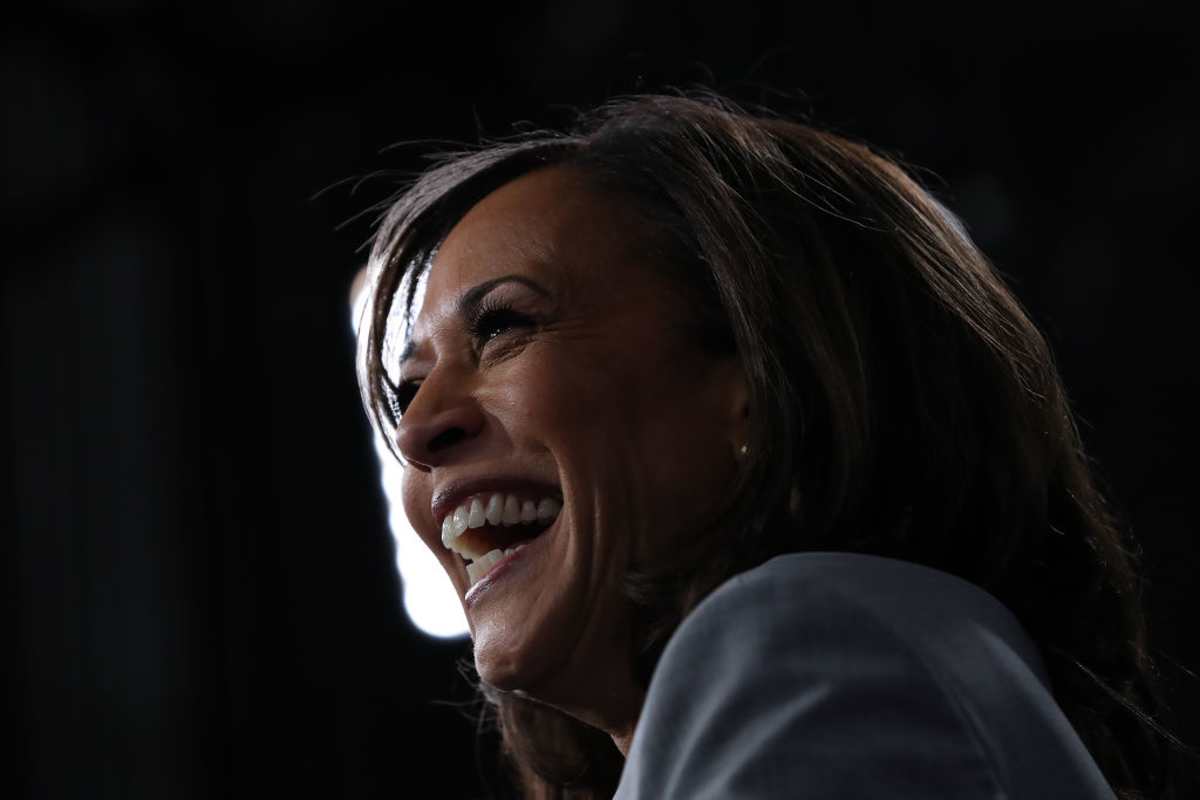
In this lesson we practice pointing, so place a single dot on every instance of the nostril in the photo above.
(429, 438)
(446, 438)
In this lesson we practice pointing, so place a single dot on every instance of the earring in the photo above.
(743, 451)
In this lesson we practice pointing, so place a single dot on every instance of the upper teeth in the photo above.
(496, 509)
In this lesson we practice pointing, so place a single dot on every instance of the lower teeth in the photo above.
(482, 565)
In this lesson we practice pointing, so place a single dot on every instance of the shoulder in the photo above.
(860, 673)
(917, 608)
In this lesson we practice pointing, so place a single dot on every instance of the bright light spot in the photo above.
(429, 597)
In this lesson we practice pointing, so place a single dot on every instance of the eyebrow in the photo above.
(471, 299)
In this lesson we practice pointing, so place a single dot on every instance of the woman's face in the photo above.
(579, 392)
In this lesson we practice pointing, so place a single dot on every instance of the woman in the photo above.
(753, 477)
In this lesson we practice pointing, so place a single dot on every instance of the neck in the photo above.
(618, 717)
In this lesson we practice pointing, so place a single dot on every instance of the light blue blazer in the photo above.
(835, 675)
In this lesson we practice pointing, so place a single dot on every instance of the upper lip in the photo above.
(451, 494)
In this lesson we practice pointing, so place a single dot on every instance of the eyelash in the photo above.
(490, 319)
(399, 397)
(493, 317)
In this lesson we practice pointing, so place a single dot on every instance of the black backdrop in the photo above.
(196, 555)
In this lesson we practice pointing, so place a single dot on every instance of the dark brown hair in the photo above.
(903, 403)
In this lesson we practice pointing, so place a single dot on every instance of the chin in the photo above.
(505, 671)
(511, 657)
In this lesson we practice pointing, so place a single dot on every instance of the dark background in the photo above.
(196, 555)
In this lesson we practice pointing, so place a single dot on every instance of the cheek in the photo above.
(552, 396)
(691, 481)
(625, 433)
(684, 452)
(578, 412)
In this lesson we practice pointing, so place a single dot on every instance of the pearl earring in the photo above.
(743, 451)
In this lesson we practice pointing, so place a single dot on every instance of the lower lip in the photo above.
(504, 567)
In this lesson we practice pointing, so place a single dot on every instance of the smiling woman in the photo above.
(548, 396)
(751, 475)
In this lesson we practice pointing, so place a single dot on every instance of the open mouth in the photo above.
(484, 530)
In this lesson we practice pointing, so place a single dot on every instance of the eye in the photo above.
(399, 398)
(493, 319)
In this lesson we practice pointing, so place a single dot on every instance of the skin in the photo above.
(602, 394)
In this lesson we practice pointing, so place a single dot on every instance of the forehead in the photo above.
(552, 225)
(518, 222)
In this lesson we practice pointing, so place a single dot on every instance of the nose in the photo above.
(437, 425)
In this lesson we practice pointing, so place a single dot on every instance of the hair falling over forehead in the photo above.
(903, 403)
